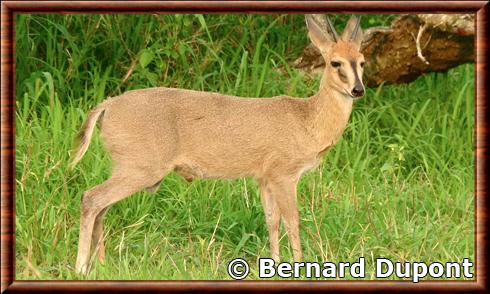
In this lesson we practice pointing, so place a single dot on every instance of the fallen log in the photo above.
(415, 44)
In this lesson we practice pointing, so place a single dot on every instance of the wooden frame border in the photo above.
(10, 8)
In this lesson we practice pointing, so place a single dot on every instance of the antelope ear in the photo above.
(318, 31)
(353, 32)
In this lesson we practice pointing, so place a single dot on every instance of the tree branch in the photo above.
(394, 55)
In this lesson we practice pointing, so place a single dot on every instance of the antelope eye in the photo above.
(362, 64)
(335, 64)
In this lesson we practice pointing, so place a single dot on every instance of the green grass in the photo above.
(398, 185)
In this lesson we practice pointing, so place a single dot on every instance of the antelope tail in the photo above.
(83, 139)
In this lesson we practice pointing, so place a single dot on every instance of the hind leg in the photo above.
(122, 184)
(98, 235)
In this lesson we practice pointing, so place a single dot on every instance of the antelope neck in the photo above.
(329, 113)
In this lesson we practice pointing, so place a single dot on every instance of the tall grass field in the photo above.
(398, 185)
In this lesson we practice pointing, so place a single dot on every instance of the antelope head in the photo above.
(343, 61)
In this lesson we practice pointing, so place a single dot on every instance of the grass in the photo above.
(399, 184)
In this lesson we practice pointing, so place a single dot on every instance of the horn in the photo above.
(332, 30)
(356, 29)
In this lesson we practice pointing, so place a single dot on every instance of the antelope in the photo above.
(152, 132)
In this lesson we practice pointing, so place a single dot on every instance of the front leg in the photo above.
(284, 193)
(272, 218)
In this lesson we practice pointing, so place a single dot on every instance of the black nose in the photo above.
(358, 91)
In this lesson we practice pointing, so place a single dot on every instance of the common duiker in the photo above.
(152, 132)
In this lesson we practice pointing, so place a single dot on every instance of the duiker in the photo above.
(152, 132)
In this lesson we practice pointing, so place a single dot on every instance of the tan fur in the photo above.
(151, 132)
(86, 134)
